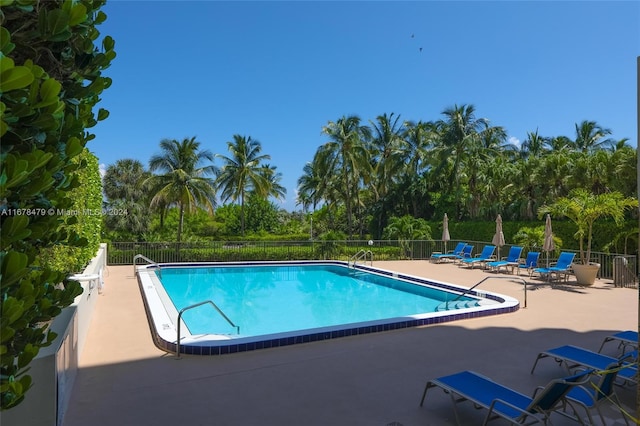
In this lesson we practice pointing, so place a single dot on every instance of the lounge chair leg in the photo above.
(424, 394)
(536, 363)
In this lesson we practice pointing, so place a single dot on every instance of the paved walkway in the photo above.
(372, 380)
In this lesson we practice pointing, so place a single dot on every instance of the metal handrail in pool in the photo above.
(467, 291)
(195, 306)
(360, 255)
(151, 262)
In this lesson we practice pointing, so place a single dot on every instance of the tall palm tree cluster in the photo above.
(185, 177)
(367, 173)
(459, 164)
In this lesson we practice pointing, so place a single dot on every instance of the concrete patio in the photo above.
(374, 379)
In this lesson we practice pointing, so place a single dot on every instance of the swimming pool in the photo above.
(277, 304)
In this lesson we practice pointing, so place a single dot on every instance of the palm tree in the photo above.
(121, 187)
(590, 137)
(457, 132)
(488, 144)
(535, 145)
(122, 180)
(624, 163)
(243, 172)
(183, 180)
(388, 152)
(558, 143)
(310, 185)
(419, 139)
(348, 158)
(583, 208)
(274, 189)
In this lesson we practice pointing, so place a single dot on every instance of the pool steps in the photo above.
(460, 304)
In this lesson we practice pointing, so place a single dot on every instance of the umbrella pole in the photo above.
(548, 273)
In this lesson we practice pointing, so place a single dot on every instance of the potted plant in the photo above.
(583, 208)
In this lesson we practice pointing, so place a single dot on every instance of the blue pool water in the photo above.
(274, 299)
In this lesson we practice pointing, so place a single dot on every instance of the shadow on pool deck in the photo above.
(374, 379)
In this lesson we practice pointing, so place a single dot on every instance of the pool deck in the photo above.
(374, 379)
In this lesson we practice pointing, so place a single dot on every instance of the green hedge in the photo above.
(123, 253)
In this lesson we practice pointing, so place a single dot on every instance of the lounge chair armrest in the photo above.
(536, 390)
(498, 401)
(632, 356)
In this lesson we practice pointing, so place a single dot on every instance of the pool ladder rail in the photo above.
(149, 261)
(460, 304)
(195, 305)
(362, 254)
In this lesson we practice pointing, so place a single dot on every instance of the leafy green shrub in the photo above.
(84, 219)
(50, 80)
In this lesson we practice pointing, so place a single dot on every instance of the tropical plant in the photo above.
(590, 136)
(348, 158)
(261, 215)
(583, 208)
(243, 173)
(329, 244)
(124, 194)
(407, 228)
(185, 180)
(532, 239)
(51, 80)
(388, 151)
(534, 146)
(458, 132)
(273, 178)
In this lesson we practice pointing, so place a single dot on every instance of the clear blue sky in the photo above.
(279, 71)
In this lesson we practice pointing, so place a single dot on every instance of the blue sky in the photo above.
(279, 71)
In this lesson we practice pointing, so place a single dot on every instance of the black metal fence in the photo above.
(621, 268)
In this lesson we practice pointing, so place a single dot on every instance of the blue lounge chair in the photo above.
(502, 401)
(561, 267)
(576, 357)
(512, 260)
(467, 252)
(626, 339)
(457, 251)
(485, 256)
(590, 397)
(530, 263)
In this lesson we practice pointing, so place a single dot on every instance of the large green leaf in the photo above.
(77, 15)
(5, 41)
(15, 78)
(17, 171)
(14, 267)
(102, 114)
(57, 22)
(14, 228)
(49, 93)
(12, 310)
(74, 147)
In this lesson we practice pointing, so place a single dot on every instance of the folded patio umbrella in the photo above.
(548, 245)
(445, 231)
(498, 237)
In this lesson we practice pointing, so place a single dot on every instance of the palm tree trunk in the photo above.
(180, 225)
(242, 214)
